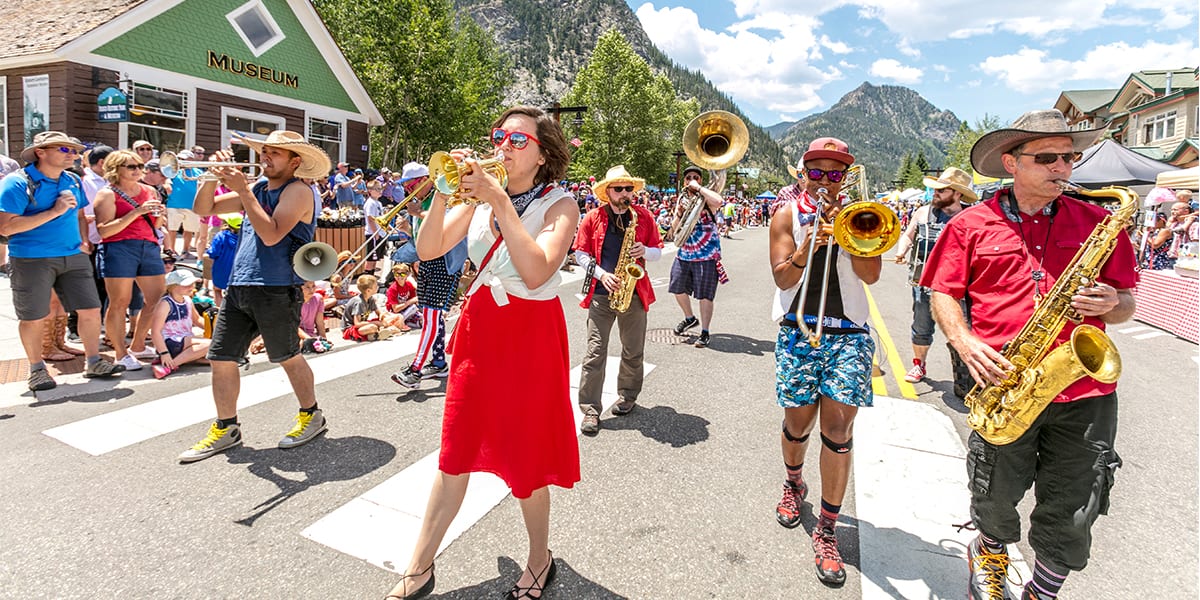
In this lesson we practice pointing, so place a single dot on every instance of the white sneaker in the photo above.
(130, 363)
(148, 353)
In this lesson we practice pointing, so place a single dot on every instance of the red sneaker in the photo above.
(917, 373)
(161, 371)
(830, 568)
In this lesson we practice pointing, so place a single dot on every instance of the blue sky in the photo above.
(784, 59)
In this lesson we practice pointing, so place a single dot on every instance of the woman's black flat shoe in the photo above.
(518, 592)
(421, 592)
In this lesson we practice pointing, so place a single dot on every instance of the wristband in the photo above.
(804, 266)
(164, 353)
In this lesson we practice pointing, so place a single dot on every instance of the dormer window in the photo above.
(255, 26)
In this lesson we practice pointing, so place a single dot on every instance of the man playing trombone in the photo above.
(694, 272)
(829, 371)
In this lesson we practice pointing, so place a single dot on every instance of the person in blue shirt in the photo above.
(179, 210)
(343, 185)
(48, 248)
(264, 296)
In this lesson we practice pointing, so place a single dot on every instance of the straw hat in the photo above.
(314, 163)
(1033, 125)
(615, 174)
(46, 139)
(955, 179)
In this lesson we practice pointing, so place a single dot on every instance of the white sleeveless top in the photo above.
(500, 274)
(854, 297)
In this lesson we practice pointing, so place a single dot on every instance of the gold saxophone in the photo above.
(628, 271)
(1002, 412)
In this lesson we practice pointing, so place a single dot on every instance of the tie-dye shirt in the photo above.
(704, 243)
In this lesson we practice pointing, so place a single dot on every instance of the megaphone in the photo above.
(315, 261)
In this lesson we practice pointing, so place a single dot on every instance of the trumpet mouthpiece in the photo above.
(1067, 186)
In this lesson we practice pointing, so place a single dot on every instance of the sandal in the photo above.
(517, 592)
(422, 591)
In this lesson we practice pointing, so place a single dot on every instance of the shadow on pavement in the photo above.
(942, 567)
(945, 389)
(113, 393)
(568, 583)
(662, 424)
(730, 343)
(320, 461)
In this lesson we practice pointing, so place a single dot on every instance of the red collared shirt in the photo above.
(590, 239)
(987, 256)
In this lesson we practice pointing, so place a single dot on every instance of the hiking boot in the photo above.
(103, 368)
(989, 570)
(40, 381)
(308, 426)
(787, 512)
(430, 371)
(686, 324)
(129, 363)
(409, 378)
(702, 341)
(591, 422)
(917, 372)
(830, 568)
(217, 440)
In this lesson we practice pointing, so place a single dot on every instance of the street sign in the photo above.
(112, 106)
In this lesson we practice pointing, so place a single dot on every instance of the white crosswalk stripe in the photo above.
(1152, 334)
(1129, 330)
(397, 505)
(111, 431)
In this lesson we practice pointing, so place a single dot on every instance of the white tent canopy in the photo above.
(1182, 179)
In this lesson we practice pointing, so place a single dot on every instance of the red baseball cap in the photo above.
(828, 147)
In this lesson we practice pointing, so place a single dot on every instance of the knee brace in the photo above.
(837, 447)
(795, 440)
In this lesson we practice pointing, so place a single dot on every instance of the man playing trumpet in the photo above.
(601, 239)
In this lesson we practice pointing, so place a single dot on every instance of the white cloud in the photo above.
(906, 49)
(892, 69)
(1031, 70)
(775, 73)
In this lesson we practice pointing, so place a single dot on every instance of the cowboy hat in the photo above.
(615, 174)
(825, 147)
(955, 179)
(1033, 125)
(314, 163)
(45, 139)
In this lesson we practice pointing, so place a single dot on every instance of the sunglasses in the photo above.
(67, 150)
(518, 139)
(144, 148)
(1049, 158)
(833, 176)
(134, 167)
(621, 188)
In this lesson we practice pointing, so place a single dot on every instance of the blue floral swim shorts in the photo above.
(838, 368)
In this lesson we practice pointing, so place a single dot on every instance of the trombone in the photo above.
(864, 228)
(170, 165)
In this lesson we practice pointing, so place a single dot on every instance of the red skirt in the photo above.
(508, 401)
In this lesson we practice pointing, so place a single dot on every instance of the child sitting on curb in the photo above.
(362, 319)
(171, 329)
(312, 321)
(402, 297)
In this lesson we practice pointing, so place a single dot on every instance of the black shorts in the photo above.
(376, 249)
(250, 310)
(70, 277)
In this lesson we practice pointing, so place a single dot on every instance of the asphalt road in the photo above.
(676, 501)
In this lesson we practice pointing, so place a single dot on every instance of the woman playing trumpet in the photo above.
(498, 419)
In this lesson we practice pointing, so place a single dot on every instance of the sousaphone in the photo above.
(714, 140)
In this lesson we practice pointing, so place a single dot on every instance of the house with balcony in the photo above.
(1086, 109)
(1157, 113)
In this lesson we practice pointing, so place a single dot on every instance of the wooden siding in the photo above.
(73, 91)
(16, 102)
(208, 125)
(356, 136)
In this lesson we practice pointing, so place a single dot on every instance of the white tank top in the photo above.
(854, 297)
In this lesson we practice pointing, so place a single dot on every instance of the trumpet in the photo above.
(170, 165)
(447, 175)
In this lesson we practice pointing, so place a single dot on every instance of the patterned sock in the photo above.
(795, 473)
(992, 545)
(1046, 581)
(829, 514)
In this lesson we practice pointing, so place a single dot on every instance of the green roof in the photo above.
(1180, 79)
(1089, 100)
(1184, 145)
(1149, 151)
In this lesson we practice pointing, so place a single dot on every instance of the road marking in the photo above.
(396, 507)
(1152, 334)
(1197, 359)
(878, 383)
(906, 389)
(111, 431)
(910, 549)
(1133, 329)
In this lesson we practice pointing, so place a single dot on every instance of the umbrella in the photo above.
(767, 195)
